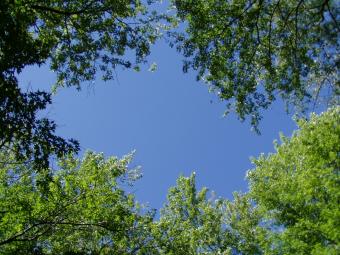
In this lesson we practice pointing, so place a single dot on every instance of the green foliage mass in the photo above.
(80, 37)
(292, 206)
(22, 132)
(252, 52)
(297, 188)
(191, 223)
(84, 210)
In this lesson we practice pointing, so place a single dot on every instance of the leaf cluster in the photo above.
(251, 52)
(83, 211)
(22, 131)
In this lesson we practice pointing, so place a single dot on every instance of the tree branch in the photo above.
(61, 11)
(49, 223)
(270, 32)
(15, 237)
(333, 17)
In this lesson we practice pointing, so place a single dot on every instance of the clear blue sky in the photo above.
(173, 122)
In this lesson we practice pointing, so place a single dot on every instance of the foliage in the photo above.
(84, 211)
(192, 224)
(251, 52)
(21, 131)
(297, 188)
(291, 207)
(81, 37)
(77, 38)
(184, 226)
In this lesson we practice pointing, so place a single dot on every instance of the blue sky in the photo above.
(175, 125)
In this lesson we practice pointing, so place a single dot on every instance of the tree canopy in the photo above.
(252, 52)
(83, 211)
(76, 38)
(297, 188)
(23, 132)
(291, 207)
(193, 223)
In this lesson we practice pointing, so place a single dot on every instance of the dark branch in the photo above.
(85, 9)
(333, 17)
(50, 223)
(270, 32)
